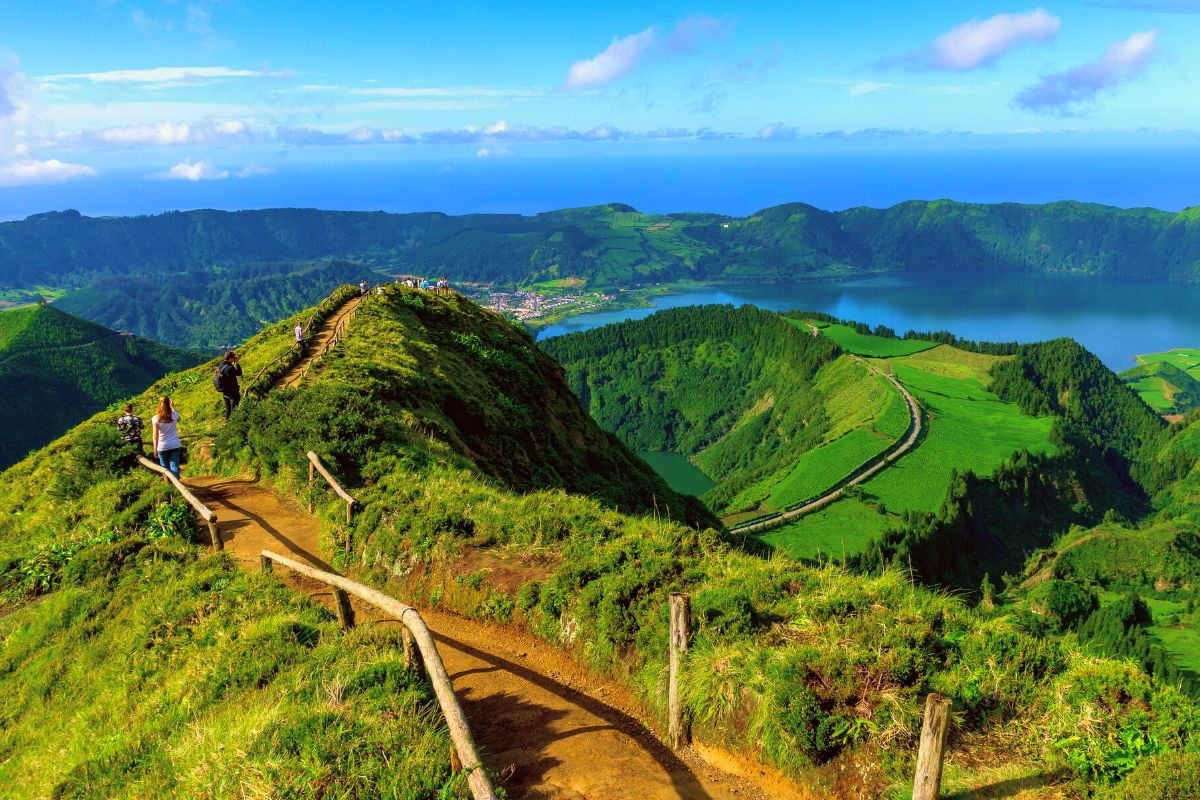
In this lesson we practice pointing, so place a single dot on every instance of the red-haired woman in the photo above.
(167, 446)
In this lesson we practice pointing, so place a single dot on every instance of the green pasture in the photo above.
(1167, 382)
(865, 344)
(967, 428)
(841, 528)
(822, 467)
(854, 397)
(866, 416)
(1185, 358)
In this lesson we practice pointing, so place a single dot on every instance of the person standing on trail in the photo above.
(167, 446)
(130, 425)
(228, 372)
(362, 287)
(300, 337)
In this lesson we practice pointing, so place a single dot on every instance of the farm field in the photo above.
(842, 528)
(967, 428)
(864, 344)
(1185, 358)
(866, 416)
(1168, 382)
(822, 467)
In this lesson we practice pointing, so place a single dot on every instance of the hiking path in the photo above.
(548, 729)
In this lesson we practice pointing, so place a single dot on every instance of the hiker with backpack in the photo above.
(225, 381)
(167, 445)
(130, 426)
(300, 338)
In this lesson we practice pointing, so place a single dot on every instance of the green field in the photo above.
(1174, 628)
(1167, 382)
(823, 467)
(15, 298)
(864, 344)
(1185, 358)
(967, 428)
(866, 416)
(842, 528)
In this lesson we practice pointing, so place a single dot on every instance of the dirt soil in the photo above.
(545, 726)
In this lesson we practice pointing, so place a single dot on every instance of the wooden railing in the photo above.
(204, 511)
(456, 721)
(314, 463)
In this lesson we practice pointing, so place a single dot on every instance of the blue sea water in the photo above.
(1166, 178)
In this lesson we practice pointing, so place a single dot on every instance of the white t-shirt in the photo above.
(168, 432)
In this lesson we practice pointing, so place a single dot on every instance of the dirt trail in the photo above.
(549, 728)
(318, 343)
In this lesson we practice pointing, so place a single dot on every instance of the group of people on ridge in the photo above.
(164, 425)
(441, 286)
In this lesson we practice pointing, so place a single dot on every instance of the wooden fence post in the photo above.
(349, 510)
(928, 780)
(412, 656)
(345, 614)
(215, 535)
(265, 563)
(679, 728)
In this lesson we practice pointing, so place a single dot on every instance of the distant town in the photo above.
(531, 305)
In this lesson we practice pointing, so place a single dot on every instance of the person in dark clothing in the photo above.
(230, 370)
(130, 426)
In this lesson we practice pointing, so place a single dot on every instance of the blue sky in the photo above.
(162, 97)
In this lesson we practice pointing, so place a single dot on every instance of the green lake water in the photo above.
(679, 473)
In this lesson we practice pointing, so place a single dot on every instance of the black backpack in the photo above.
(219, 380)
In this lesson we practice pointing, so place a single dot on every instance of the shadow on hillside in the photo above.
(531, 729)
(1011, 787)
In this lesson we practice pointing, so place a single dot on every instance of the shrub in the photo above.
(1167, 776)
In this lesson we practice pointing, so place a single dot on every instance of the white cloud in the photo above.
(170, 75)
(28, 171)
(627, 52)
(617, 60)
(186, 170)
(867, 87)
(494, 152)
(1064, 92)
(254, 171)
(778, 132)
(980, 42)
(164, 134)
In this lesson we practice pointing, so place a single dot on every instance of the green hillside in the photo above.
(812, 669)
(56, 370)
(735, 389)
(168, 276)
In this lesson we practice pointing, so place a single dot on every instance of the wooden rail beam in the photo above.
(204, 511)
(315, 461)
(456, 721)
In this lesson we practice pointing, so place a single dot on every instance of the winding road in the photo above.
(859, 475)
